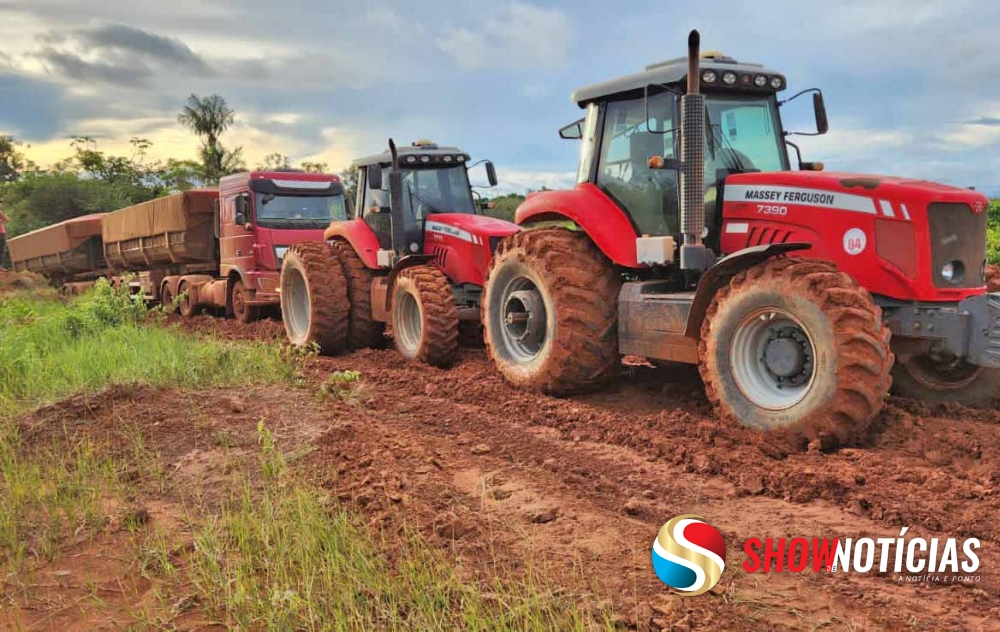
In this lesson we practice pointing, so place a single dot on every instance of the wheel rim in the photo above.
(941, 374)
(408, 326)
(185, 306)
(773, 359)
(523, 319)
(295, 303)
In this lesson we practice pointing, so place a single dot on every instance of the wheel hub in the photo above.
(787, 356)
(772, 358)
(524, 317)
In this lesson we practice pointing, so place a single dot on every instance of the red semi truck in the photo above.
(219, 248)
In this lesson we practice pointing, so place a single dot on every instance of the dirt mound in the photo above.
(11, 282)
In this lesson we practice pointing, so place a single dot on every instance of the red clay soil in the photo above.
(575, 490)
(580, 486)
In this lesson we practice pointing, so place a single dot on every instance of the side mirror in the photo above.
(822, 125)
(241, 211)
(573, 131)
(215, 219)
(491, 173)
(373, 175)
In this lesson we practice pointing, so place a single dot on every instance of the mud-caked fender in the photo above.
(724, 269)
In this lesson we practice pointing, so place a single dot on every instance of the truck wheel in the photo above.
(167, 300)
(796, 344)
(314, 306)
(424, 316)
(550, 311)
(188, 308)
(243, 312)
(362, 330)
(940, 380)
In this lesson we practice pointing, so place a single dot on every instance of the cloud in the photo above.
(517, 36)
(116, 54)
(516, 181)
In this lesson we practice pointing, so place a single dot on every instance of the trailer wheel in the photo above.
(167, 300)
(362, 330)
(314, 306)
(796, 344)
(424, 316)
(945, 380)
(188, 308)
(244, 313)
(550, 311)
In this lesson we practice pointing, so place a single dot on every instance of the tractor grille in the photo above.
(957, 235)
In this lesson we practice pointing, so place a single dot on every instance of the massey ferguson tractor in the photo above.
(689, 238)
(414, 257)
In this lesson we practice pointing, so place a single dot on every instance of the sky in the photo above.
(912, 87)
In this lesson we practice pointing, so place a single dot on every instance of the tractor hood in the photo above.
(478, 225)
(859, 192)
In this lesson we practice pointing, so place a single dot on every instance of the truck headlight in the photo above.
(953, 271)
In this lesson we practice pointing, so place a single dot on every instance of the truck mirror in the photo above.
(241, 211)
(215, 219)
(491, 173)
(573, 131)
(822, 125)
(374, 177)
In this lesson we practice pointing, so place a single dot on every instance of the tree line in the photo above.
(90, 180)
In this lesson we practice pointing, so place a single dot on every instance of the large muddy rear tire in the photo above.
(550, 312)
(362, 330)
(939, 381)
(424, 316)
(795, 344)
(314, 304)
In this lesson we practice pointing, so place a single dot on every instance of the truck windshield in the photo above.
(746, 132)
(427, 191)
(299, 211)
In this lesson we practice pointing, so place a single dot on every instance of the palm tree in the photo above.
(209, 118)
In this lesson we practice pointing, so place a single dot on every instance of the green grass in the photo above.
(50, 349)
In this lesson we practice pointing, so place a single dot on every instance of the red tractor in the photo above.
(689, 238)
(414, 257)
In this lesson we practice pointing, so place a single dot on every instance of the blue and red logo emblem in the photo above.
(689, 555)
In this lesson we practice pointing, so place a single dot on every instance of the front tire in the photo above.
(424, 316)
(244, 313)
(940, 381)
(550, 312)
(314, 304)
(796, 344)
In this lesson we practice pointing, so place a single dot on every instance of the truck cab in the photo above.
(261, 215)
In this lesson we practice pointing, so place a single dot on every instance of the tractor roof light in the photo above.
(760, 81)
(709, 76)
(425, 158)
(729, 78)
(411, 159)
(777, 82)
(447, 158)
(460, 158)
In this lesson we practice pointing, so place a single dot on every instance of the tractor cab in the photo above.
(630, 119)
(424, 180)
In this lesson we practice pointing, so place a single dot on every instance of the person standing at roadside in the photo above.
(4, 260)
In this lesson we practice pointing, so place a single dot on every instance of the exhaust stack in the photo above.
(694, 255)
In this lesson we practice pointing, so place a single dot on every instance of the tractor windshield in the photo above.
(746, 134)
(446, 190)
(299, 211)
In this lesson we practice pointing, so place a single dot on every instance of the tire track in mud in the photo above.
(584, 483)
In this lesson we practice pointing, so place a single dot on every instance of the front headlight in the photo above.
(953, 271)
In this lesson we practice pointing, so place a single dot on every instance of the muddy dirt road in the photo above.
(577, 488)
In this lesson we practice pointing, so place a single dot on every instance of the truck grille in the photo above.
(957, 235)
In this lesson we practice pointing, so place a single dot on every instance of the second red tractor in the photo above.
(414, 258)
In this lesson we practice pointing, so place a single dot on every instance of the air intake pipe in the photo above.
(694, 255)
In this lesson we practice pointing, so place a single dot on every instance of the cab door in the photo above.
(235, 240)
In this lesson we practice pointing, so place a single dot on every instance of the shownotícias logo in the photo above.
(689, 555)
